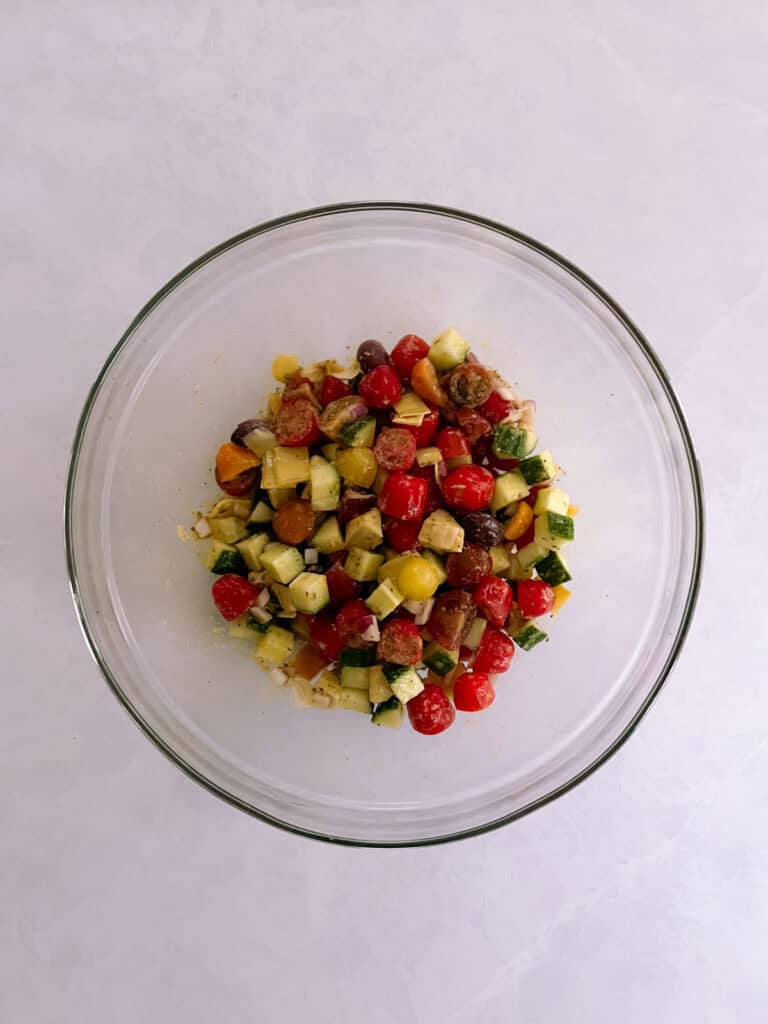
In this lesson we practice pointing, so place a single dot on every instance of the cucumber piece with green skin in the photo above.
(357, 657)
(360, 433)
(327, 538)
(508, 487)
(404, 681)
(531, 554)
(448, 350)
(385, 598)
(354, 700)
(282, 562)
(439, 659)
(224, 558)
(228, 529)
(551, 499)
(516, 571)
(354, 678)
(553, 569)
(388, 714)
(252, 548)
(511, 442)
(309, 592)
(379, 690)
(325, 485)
(530, 635)
(261, 514)
(553, 530)
(538, 468)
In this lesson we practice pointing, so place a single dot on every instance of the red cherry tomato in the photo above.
(350, 623)
(431, 712)
(406, 353)
(473, 692)
(296, 423)
(494, 599)
(403, 496)
(395, 448)
(473, 424)
(402, 534)
(467, 567)
(333, 388)
(452, 443)
(534, 598)
(468, 488)
(324, 636)
(233, 595)
(495, 652)
(341, 586)
(495, 408)
(503, 465)
(426, 431)
(400, 643)
(380, 388)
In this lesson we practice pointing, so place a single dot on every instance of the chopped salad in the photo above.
(388, 535)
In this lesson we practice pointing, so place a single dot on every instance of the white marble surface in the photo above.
(632, 139)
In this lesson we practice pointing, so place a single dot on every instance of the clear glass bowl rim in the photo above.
(563, 264)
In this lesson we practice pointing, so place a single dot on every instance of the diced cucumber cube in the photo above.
(274, 646)
(309, 592)
(228, 529)
(439, 659)
(325, 485)
(448, 349)
(509, 487)
(538, 469)
(261, 514)
(475, 634)
(429, 456)
(441, 532)
(252, 548)
(551, 499)
(531, 554)
(354, 700)
(515, 570)
(379, 689)
(327, 538)
(553, 530)
(499, 559)
(241, 629)
(328, 685)
(529, 636)
(358, 657)
(283, 595)
(360, 433)
(224, 558)
(388, 714)
(385, 598)
(355, 678)
(365, 531)
(404, 681)
(362, 565)
(553, 569)
(511, 442)
(329, 450)
(268, 476)
(279, 496)
(282, 562)
(291, 466)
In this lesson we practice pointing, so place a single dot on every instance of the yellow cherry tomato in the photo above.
(417, 580)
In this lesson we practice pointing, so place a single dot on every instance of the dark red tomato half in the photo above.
(333, 388)
(350, 623)
(431, 712)
(495, 652)
(495, 408)
(233, 595)
(534, 598)
(473, 692)
(406, 353)
(494, 599)
(452, 443)
(296, 423)
(324, 636)
(240, 484)
(402, 534)
(473, 424)
(468, 488)
(380, 388)
(341, 587)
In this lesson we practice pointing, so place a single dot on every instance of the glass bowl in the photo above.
(196, 360)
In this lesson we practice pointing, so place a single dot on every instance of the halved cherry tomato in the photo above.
(467, 567)
(296, 424)
(406, 353)
(380, 388)
(294, 521)
(425, 383)
(395, 448)
(534, 598)
(341, 587)
(403, 534)
(324, 636)
(452, 615)
(233, 595)
(333, 388)
(468, 488)
(495, 652)
(452, 443)
(495, 408)
(426, 430)
(403, 496)
(431, 712)
(400, 643)
(232, 460)
(348, 623)
(493, 597)
(473, 424)
(239, 485)
(473, 691)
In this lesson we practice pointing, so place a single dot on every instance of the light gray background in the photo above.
(633, 139)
